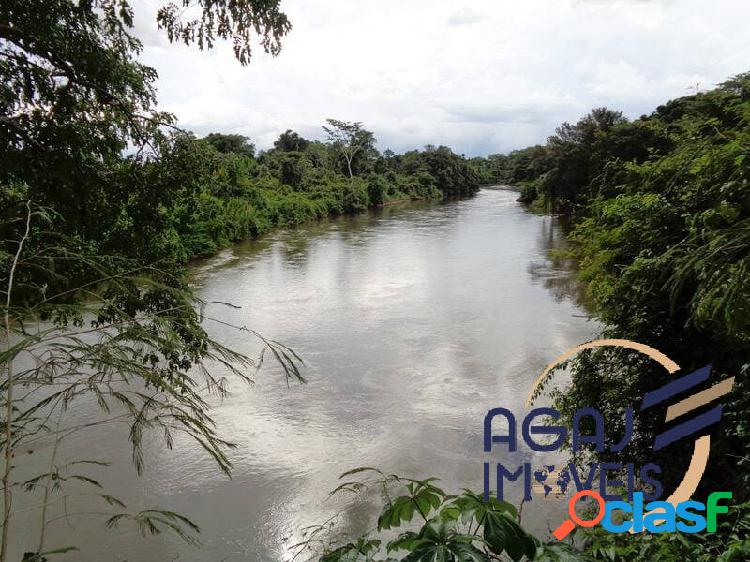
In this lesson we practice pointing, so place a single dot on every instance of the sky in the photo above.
(481, 77)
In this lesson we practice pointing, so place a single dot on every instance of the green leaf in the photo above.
(473, 506)
(111, 500)
(41, 556)
(423, 498)
(504, 534)
(438, 541)
(408, 540)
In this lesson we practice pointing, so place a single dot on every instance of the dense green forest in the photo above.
(660, 208)
(194, 196)
(661, 217)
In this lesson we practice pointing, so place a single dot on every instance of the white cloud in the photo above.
(464, 16)
(489, 78)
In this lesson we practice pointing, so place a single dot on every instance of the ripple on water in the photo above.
(414, 321)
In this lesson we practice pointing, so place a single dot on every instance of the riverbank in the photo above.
(241, 196)
(502, 187)
(405, 200)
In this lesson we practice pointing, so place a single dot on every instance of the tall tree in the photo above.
(289, 141)
(231, 144)
(349, 138)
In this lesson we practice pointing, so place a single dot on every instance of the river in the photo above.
(412, 323)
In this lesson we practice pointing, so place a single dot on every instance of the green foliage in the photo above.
(231, 144)
(440, 540)
(240, 21)
(423, 497)
(173, 197)
(352, 141)
(78, 60)
(360, 551)
(519, 166)
(93, 232)
(73, 98)
(439, 527)
(666, 253)
(453, 176)
(211, 197)
(731, 543)
(661, 210)
(289, 141)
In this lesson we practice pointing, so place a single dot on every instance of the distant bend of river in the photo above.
(412, 321)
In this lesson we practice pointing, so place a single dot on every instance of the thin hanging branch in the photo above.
(7, 493)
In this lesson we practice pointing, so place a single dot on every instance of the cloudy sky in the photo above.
(481, 76)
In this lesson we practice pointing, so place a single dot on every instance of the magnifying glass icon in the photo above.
(569, 524)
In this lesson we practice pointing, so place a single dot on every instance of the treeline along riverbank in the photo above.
(192, 196)
(660, 208)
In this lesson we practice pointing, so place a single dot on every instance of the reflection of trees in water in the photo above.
(230, 257)
(557, 271)
(294, 244)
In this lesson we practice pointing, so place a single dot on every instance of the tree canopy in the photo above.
(351, 139)
(661, 221)
(231, 144)
(289, 141)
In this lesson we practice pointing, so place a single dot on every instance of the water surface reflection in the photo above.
(412, 322)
